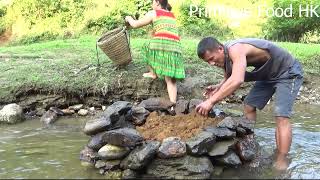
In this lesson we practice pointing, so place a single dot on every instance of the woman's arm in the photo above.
(147, 19)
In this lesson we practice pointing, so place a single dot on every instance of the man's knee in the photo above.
(283, 121)
(249, 109)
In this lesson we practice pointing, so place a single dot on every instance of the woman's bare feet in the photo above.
(150, 75)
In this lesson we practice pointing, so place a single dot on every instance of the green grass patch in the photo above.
(54, 66)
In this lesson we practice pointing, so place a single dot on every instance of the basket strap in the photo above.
(128, 38)
(98, 65)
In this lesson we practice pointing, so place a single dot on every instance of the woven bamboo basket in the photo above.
(116, 45)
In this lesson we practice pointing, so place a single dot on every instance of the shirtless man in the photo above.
(275, 72)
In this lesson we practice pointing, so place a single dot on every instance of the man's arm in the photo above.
(147, 19)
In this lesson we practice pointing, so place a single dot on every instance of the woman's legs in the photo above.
(172, 88)
(150, 74)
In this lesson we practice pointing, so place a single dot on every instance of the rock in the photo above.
(181, 107)
(83, 112)
(139, 115)
(112, 165)
(49, 117)
(221, 133)
(97, 141)
(193, 104)
(187, 167)
(110, 152)
(125, 137)
(76, 107)
(100, 164)
(218, 170)
(119, 107)
(141, 156)
(102, 171)
(154, 104)
(201, 144)
(219, 113)
(172, 147)
(246, 124)
(123, 123)
(58, 111)
(40, 111)
(68, 111)
(113, 174)
(221, 148)
(11, 114)
(233, 112)
(227, 122)
(88, 155)
(230, 159)
(103, 108)
(97, 125)
(247, 148)
(129, 174)
(92, 109)
(241, 132)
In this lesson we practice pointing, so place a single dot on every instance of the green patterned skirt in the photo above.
(165, 58)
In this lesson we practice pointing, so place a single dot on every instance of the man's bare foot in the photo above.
(150, 75)
(281, 163)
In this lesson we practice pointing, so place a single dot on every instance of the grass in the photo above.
(54, 66)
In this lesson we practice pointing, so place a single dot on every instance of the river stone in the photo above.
(49, 117)
(100, 164)
(141, 156)
(181, 107)
(68, 111)
(139, 115)
(221, 148)
(201, 143)
(110, 152)
(221, 133)
(88, 155)
(97, 141)
(218, 170)
(58, 111)
(83, 112)
(227, 122)
(219, 113)
(233, 112)
(246, 124)
(172, 147)
(11, 114)
(76, 107)
(154, 104)
(241, 132)
(117, 174)
(125, 137)
(129, 174)
(112, 165)
(193, 104)
(230, 159)
(97, 125)
(247, 148)
(123, 123)
(186, 167)
(119, 107)
(40, 111)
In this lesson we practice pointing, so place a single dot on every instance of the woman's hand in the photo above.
(128, 18)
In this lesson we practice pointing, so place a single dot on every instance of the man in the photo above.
(275, 72)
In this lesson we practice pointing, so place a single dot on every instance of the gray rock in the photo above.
(221, 148)
(119, 107)
(49, 117)
(68, 111)
(227, 122)
(172, 147)
(219, 113)
(201, 144)
(88, 155)
(83, 112)
(218, 170)
(193, 104)
(187, 167)
(129, 174)
(246, 124)
(100, 164)
(40, 111)
(241, 132)
(112, 165)
(58, 111)
(247, 148)
(97, 125)
(11, 114)
(97, 141)
(141, 156)
(123, 123)
(182, 106)
(221, 133)
(154, 104)
(76, 107)
(230, 159)
(111, 152)
(125, 137)
(139, 115)
(233, 112)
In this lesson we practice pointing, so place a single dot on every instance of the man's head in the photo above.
(211, 51)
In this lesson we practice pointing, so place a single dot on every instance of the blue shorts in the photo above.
(286, 89)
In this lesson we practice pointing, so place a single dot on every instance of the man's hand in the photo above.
(211, 90)
(204, 108)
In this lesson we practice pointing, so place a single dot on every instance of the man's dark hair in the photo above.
(207, 44)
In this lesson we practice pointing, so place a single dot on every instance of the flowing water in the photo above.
(29, 150)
